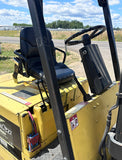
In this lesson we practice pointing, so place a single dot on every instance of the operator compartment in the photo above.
(26, 118)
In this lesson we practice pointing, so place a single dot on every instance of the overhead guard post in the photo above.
(104, 4)
(118, 136)
(35, 7)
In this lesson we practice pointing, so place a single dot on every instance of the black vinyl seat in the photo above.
(28, 56)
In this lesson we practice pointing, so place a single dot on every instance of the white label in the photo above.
(74, 122)
(16, 98)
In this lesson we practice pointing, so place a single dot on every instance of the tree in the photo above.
(76, 24)
(65, 24)
(22, 24)
(87, 26)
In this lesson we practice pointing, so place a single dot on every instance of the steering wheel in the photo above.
(96, 30)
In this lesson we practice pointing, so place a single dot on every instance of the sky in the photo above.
(86, 11)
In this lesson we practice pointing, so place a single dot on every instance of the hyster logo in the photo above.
(5, 129)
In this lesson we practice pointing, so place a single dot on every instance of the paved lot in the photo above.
(9, 39)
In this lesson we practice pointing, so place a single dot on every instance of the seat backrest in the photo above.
(28, 43)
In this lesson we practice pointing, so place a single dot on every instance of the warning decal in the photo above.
(16, 98)
(74, 122)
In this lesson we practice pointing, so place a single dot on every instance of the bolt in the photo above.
(84, 52)
(59, 132)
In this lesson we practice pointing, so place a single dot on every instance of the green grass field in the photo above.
(6, 58)
(8, 33)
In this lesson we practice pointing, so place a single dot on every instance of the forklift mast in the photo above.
(107, 16)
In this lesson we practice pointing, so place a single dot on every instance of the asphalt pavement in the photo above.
(60, 43)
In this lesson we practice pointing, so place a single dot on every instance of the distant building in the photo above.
(10, 27)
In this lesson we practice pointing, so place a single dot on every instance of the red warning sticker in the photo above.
(74, 122)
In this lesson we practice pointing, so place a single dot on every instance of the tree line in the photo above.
(59, 24)
(22, 25)
(62, 24)
(66, 24)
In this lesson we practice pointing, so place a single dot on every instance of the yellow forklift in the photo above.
(46, 111)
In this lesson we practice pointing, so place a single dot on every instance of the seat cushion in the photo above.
(63, 73)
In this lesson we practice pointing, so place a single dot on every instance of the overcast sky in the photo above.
(86, 11)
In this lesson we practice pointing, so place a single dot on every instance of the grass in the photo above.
(62, 34)
(6, 58)
(70, 57)
(65, 34)
(6, 65)
(118, 36)
(8, 33)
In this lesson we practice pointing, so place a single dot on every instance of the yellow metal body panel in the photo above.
(6, 155)
(45, 127)
(16, 112)
(46, 124)
(91, 117)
